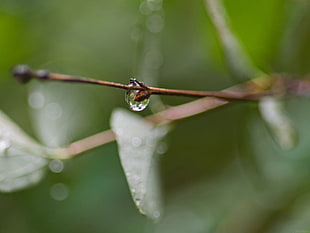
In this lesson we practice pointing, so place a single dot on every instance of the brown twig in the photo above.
(255, 89)
(24, 74)
(164, 117)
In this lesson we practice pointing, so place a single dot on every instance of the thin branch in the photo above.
(255, 89)
(89, 143)
(164, 117)
(292, 86)
(235, 54)
(24, 74)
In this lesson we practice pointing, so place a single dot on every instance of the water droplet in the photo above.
(36, 100)
(144, 9)
(56, 166)
(154, 5)
(162, 148)
(131, 96)
(156, 214)
(133, 191)
(59, 192)
(4, 145)
(138, 201)
(136, 141)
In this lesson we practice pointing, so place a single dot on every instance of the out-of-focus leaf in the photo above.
(259, 26)
(21, 162)
(137, 141)
(278, 165)
(273, 112)
(57, 114)
(243, 66)
(297, 219)
(216, 204)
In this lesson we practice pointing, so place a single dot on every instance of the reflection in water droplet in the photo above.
(4, 145)
(131, 95)
(59, 192)
(56, 166)
(136, 178)
(54, 111)
(36, 100)
(136, 141)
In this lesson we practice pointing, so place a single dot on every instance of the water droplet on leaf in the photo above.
(4, 145)
(137, 99)
(156, 214)
(136, 141)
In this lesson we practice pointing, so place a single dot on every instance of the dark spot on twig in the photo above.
(22, 73)
(42, 74)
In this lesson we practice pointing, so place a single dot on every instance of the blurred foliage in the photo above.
(222, 171)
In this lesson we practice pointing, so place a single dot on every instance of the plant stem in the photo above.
(27, 74)
(255, 89)
(163, 117)
(237, 58)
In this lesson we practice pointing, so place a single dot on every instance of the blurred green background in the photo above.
(221, 172)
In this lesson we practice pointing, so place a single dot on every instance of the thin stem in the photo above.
(254, 89)
(74, 79)
(229, 95)
(91, 142)
(24, 74)
(163, 117)
(237, 58)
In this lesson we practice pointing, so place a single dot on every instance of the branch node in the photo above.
(42, 74)
(22, 73)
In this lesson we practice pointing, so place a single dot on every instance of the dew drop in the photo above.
(156, 214)
(59, 192)
(4, 145)
(138, 201)
(56, 166)
(144, 8)
(154, 5)
(136, 141)
(131, 96)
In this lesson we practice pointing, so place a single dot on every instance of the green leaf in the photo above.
(274, 114)
(59, 116)
(243, 66)
(137, 141)
(21, 162)
(275, 164)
